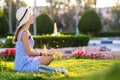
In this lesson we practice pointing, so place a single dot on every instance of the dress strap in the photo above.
(20, 34)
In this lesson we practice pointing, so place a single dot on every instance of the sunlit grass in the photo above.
(79, 69)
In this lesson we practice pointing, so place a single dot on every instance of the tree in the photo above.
(90, 23)
(64, 12)
(8, 12)
(17, 4)
(115, 24)
(44, 24)
(4, 28)
(10, 15)
(10, 9)
(89, 4)
(51, 11)
(68, 19)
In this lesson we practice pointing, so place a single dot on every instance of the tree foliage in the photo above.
(115, 24)
(44, 24)
(89, 4)
(4, 28)
(63, 12)
(6, 11)
(90, 23)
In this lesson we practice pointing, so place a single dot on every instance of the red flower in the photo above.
(82, 53)
(10, 52)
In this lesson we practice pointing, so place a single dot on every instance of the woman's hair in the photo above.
(17, 32)
(16, 35)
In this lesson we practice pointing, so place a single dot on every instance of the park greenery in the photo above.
(90, 23)
(80, 69)
(4, 27)
(44, 24)
(53, 41)
(65, 21)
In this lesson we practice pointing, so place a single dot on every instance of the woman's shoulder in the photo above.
(23, 31)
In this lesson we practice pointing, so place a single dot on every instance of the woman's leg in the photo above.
(46, 60)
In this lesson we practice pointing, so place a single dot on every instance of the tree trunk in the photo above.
(17, 4)
(17, 7)
(51, 10)
(10, 17)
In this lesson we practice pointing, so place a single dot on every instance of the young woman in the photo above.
(26, 58)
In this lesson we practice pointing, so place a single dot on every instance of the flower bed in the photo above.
(81, 53)
(98, 55)
(89, 52)
(8, 54)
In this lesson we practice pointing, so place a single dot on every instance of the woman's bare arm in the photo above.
(29, 50)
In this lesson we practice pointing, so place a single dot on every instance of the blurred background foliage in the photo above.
(64, 13)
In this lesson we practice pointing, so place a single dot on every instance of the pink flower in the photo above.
(98, 55)
(82, 53)
(93, 55)
(110, 56)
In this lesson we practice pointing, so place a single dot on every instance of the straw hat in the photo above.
(22, 16)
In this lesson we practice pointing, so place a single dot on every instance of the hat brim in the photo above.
(25, 19)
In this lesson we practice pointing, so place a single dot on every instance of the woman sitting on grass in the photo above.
(26, 58)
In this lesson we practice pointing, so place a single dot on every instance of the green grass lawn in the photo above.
(79, 69)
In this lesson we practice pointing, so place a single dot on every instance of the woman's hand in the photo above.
(51, 52)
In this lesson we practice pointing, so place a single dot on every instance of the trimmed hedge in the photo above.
(108, 34)
(54, 41)
(68, 33)
(8, 43)
(59, 42)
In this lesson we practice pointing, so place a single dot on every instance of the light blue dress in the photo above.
(24, 63)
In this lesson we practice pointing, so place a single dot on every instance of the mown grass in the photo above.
(79, 69)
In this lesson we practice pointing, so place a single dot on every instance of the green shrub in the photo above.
(10, 34)
(68, 33)
(60, 42)
(44, 24)
(55, 42)
(108, 34)
(31, 29)
(90, 23)
(1, 44)
(8, 43)
(4, 27)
